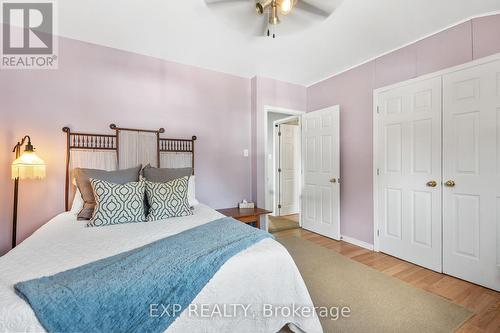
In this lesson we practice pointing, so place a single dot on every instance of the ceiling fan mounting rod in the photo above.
(273, 18)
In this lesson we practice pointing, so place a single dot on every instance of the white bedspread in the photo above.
(263, 274)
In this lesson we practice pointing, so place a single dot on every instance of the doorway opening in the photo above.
(318, 188)
(283, 166)
(287, 168)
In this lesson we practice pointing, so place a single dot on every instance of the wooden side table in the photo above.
(245, 215)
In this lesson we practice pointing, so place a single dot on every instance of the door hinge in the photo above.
(378, 233)
(279, 170)
(279, 133)
(378, 109)
(279, 206)
(378, 172)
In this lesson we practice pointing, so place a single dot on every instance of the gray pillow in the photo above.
(163, 175)
(83, 177)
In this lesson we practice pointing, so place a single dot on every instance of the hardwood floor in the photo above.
(483, 302)
(292, 217)
(281, 223)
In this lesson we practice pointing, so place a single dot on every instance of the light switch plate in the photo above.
(245, 152)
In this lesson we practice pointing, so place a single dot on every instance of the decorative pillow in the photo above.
(192, 192)
(83, 177)
(168, 199)
(163, 175)
(117, 203)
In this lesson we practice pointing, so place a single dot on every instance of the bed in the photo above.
(262, 274)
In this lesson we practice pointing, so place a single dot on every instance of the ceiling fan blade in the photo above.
(313, 9)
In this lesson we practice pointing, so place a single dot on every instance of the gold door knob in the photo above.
(333, 180)
(431, 183)
(449, 183)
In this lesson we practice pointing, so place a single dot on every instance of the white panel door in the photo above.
(289, 169)
(409, 172)
(471, 174)
(321, 170)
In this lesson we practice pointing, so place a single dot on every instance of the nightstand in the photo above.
(245, 215)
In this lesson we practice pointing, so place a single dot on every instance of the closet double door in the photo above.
(471, 174)
(409, 173)
(438, 183)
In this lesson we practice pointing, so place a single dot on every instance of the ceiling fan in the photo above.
(270, 13)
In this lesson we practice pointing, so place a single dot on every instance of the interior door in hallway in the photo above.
(409, 172)
(289, 169)
(321, 171)
(471, 174)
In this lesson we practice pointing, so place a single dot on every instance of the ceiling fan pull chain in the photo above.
(271, 31)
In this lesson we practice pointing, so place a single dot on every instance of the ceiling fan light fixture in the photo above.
(259, 9)
(261, 6)
(286, 6)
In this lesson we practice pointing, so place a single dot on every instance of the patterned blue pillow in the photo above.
(168, 199)
(116, 203)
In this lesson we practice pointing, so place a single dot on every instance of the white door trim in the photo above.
(376, 93)
(286, 120)
(267, 110)
(442, 72)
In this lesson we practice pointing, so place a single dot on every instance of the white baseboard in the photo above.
(357, 242)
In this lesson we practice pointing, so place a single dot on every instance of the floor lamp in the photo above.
(26, 166)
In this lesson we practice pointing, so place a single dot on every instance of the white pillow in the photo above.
(77, 204)
(192, 193)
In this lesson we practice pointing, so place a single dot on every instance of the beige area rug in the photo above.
(378, 303)
(281, 223)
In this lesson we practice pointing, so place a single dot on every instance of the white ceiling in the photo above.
(187, 31)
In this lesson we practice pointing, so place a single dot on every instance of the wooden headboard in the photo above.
(110, 142)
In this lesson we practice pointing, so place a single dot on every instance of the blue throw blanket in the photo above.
(115, 294)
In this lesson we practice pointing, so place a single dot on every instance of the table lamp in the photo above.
(26, 166)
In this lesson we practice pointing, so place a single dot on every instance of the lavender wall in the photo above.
(269, 92)
(95, 86)
(353, 91)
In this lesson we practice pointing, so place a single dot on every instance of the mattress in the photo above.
(263, 279)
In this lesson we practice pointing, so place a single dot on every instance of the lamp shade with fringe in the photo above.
(28, 166)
